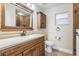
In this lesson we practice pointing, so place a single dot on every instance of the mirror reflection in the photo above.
(22, 19)
(17, 17)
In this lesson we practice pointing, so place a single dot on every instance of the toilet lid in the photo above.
(49, 43)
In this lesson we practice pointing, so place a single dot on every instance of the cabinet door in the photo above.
(38, 50)
(43, 21)
(42, 49)
(30, 52)
(1, 54)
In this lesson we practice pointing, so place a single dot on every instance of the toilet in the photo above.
(48, 46)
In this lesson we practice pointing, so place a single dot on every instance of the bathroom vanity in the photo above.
(30, 45)
(19, 17)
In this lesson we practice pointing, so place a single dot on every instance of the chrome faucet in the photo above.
(24, 31)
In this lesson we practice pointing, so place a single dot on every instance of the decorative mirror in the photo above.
(17, 16)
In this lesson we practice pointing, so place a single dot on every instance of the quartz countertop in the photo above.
(4, 43)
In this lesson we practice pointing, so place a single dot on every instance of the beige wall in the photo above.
(66, 32)
(36, 9)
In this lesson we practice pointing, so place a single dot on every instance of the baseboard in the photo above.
(64, 50)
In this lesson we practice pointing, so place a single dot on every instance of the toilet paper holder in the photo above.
(58, 38)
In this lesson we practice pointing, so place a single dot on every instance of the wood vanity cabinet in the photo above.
(31, 48)
(41, 20)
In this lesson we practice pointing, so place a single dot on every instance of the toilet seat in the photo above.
(49, 45)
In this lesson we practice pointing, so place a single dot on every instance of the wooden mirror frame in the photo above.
(2, 17)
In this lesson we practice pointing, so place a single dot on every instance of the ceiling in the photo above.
(47, 5)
